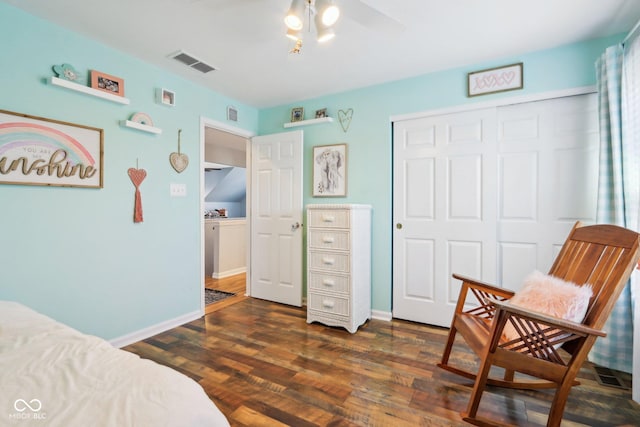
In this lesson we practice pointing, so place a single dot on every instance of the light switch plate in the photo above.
(178, 190)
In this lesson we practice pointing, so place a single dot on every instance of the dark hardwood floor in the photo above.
(234, 284)
(263, 365)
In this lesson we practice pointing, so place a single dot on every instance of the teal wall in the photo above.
(73, 253)
(369, 136)
(76, 255)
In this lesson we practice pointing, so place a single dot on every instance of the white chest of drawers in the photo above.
(339, 265)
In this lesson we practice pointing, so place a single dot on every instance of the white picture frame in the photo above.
(166, 97)
(330, 170)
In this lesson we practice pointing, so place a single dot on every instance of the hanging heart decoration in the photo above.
(178, 160)
(345, 118)
(137, 176)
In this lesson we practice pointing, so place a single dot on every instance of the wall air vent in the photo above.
(191, 61)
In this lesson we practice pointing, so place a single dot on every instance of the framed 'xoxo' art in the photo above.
(493, 80)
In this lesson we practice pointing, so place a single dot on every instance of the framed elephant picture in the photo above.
(330, 170)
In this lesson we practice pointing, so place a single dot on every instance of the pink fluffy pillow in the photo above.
(552, 296)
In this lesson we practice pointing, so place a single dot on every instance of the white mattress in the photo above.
(53, 375)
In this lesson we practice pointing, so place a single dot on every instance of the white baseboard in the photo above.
(155, 329)
(228, 273)
(381, 315)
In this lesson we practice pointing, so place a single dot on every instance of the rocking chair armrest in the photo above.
(565, 325)
(477, 284)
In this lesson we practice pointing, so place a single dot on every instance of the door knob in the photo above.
(295, 226)
(399, 226)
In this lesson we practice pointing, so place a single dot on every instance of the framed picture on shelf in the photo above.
(166, 97)
(297, 114)
(330, 170)
(106, 83)
(321, 113)
(40, 151)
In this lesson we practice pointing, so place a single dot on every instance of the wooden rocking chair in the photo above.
(601, 255)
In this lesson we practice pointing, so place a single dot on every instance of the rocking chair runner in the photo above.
(600, 255)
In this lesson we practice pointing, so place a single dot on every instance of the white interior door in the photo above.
(488, 193)
(444, 211)
(276, 217)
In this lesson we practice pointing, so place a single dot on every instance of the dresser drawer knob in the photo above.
(328, 261)
(328, 282)
(327, 304)
(328, 218)
(328, 239)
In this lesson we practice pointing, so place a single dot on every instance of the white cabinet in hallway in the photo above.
(225, 247)
(339, 265)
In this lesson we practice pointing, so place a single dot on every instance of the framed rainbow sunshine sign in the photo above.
(39, 151)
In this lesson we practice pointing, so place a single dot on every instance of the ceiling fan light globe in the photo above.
(293, 22)
(325, 34)
(294, 18)
(330, 15)
(293, 34)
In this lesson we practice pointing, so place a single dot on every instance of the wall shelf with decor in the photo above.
(309, 122)
(140, 126)
(87, 90)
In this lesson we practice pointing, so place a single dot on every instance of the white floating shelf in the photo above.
(140, 126)
(88, 90)
(309, 122)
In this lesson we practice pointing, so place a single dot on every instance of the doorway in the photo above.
(224, 208)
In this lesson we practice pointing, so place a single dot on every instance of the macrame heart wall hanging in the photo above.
(178, 160)
(137, 176)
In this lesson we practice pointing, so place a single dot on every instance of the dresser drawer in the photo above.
(333, 261)
(328, 218)
(328, 282)
(328, 304)
(328, 239)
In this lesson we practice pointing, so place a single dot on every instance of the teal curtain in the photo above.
(618, 192)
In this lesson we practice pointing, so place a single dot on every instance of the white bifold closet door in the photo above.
(488, 193)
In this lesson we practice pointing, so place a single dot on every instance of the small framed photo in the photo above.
(166, 97)
(297, 114)
(493, 80)
(330, 170)
(321, 113)
(107, 83)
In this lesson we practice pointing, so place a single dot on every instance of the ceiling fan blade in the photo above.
(370, 17)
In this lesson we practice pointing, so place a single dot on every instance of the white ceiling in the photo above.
(245, 39)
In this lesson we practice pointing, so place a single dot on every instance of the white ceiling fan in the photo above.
(325, 14)
(369, 16)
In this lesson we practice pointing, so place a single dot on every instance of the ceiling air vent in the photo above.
(191, 61)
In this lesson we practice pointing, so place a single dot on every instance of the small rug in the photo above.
(214, 295)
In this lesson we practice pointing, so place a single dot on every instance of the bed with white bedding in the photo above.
(53, 375)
